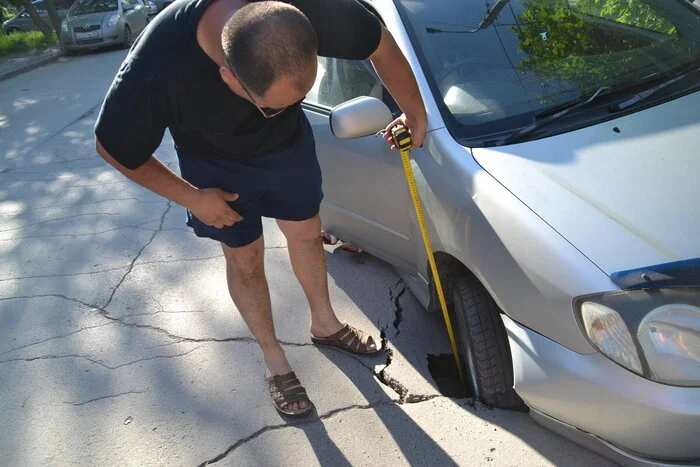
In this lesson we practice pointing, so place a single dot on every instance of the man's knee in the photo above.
(244, 262)
(301, 231)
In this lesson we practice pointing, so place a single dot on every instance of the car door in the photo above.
(23, 21)
(366, 198)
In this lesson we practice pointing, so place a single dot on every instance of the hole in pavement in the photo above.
(444, 372)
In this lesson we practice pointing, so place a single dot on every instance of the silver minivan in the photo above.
(102, 23)
(559, 177)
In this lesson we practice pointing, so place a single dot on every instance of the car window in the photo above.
(339, 80)
(494, 65)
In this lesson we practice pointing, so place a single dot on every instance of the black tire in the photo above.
(66, 52)
(13, 30)
(483, 344)
(127, 38)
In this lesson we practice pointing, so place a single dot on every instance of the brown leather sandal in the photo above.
(349, 339)
(350, 248)
(286, 389)
(328, 238)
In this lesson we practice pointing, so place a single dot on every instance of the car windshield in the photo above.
(83, 7)
(497, 63)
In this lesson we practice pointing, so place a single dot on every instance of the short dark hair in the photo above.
(265, 40)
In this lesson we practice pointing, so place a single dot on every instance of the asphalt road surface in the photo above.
(119, 344)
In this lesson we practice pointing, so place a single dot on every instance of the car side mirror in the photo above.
(362, 116)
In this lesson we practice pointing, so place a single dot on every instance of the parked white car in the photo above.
(102, 23)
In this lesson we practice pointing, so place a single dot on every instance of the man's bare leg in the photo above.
(245, 273)
(309, 264)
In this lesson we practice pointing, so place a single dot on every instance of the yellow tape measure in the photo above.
(402, 140)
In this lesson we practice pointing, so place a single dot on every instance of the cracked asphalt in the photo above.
(119, 344)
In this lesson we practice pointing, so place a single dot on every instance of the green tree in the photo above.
(6, 10)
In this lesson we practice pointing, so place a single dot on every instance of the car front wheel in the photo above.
(483, 344)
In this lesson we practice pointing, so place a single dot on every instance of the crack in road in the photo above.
(89, 234)
(55, 337)
(398, 309)
(13, 229)
(138, 255)
(44, 276)
(395, 295)
(321, 418)
(157, 312)
(382, 375)
(83, 116)
(105, 314)
(48, 164)
(269, 428)
(52, 357)
(105, 397)
(54, 295)
(72, 205)
(94, 360)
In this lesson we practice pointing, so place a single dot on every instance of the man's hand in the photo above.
(415, 129)
(210, 206)
(395, 72)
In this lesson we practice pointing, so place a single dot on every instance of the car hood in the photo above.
(625, 192)
(91, 18)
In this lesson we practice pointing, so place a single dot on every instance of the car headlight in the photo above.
(113, 20)
(654, 333)
(64, 26)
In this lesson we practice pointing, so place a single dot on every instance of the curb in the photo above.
(30, 66)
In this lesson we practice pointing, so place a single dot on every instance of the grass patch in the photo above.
(24, 41)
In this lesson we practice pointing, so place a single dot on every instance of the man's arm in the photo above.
(208, 205)
(395, 72)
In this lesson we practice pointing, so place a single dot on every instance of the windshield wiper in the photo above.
(546, 117)
(542, 122)
(640, 96)
(491, 15)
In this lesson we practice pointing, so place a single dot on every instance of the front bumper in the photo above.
(635, 421)
(108, 37)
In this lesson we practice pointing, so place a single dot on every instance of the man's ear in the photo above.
(228, 76)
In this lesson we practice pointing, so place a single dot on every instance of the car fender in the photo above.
(531, 271)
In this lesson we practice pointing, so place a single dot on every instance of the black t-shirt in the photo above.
(168, 81)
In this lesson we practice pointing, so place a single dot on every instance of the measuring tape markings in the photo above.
(402, 140)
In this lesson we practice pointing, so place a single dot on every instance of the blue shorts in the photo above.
(284, 185)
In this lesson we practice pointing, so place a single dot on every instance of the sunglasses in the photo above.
(266, 112)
